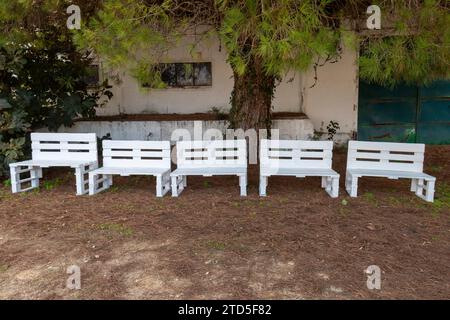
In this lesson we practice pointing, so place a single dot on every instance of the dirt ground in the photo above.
(297, 243)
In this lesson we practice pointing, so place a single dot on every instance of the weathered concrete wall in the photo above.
(163, 130)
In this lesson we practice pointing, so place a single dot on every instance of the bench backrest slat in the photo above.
(136, 154)
(296, 154)
(64, 146)
(385, 156)
(214, 153)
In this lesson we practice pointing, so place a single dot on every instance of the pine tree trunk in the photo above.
(251, 99)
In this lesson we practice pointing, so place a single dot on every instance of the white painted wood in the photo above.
(300, 159)
(385, 156)
(295, 154)
(82, 181)
(210, 158)
(207, 172)
(126, 158)
(389, 160)
(298, 172)
(216, 153)
(51, 163)
(123, 171)
(64, 146)
(75, 150)
(136, 154)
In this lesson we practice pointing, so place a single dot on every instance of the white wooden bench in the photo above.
(389, 160)
(128, 158)
(299, 159)
(75, 150)
(210, 158)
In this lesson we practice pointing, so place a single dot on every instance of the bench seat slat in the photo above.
(136, 163)
(296, 163)
(209, 171)
(131, 171)
(52, 163)
(390, 173)
(313, 172)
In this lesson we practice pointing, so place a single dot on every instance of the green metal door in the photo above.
(433, 120)
(405, 113)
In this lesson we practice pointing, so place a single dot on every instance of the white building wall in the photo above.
(334, 97)
(131, 98)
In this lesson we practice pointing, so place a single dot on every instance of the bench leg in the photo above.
(335, 187)
(177, 185)
(34, 175)
(92, 184)
(419, 187)
(109, 180)
(159, 186)
(79, 180)
(427, 186)
(174, 186)
(414, 185)
(351, 185)
(184, 181)
(332, 186)
(263, 185)
(39, 170)
(17, 182)
(429, 194)
(82, 182)
(243, 185)
(15, 186)
(162, 184)
(324, 182)
(94, 181)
